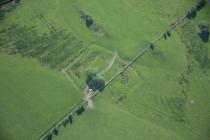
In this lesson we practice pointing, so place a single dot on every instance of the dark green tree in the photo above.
(152, 46)
(49, 136)
(55, 131)
(204, 32)
(192, 13)
(80, 110)
(94, 82)
(1, 14)
(165, 36)
(168, 34)
(65, 122)
(100, 85)
(88, 19)
(70, 119)
(90, 77)
(200, 5)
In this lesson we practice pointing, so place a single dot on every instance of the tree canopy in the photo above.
(94, 82)
(204, 32)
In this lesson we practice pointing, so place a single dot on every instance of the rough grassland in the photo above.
(29, 101)
(164, 96)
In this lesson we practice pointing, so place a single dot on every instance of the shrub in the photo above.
(70, 119)
(49, 136)
(55, 131)
(165, 36)
(88, 19)
(80, 110)
(65, 122)
(94, 82)
(100, 85)
(152, 46)
(168, 34)
(1, 14)
(200, 5)
(204, 34)
(192, 13)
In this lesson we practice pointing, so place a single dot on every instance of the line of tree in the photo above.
(193, 12)
(55, 131)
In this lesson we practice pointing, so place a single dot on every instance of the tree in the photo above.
(152, 46)
(65, 122)
(49, 136)
(1, 14)
(17, 1)
(168, 34)
(70, 119)
(200, 5)
(192, 13)
(100, 85)
(165, 36)
(90, 77)
(80, 110)
(94, 82)
(55, 131)
(204, 34)
(88, 19)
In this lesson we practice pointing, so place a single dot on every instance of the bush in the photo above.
(55, 131)
(168, 34)
(80, 110)
(165, 36)
(70, 119)
(65, 122)
(88, 19)
(49, 136)
(200, 5)
(204, 34)
(152, 46)
(1, 14)
(94, 83)
(100, 85)
(192, 13)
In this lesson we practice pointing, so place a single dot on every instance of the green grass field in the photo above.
(29, 97)
(163, 96)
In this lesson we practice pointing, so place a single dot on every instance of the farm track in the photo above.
(87, 94)
(137, 57)
(72, 63)
(66, 74)
(109, 66)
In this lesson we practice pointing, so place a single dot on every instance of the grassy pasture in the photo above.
(157, 98)
(29, 97)
(153, 92)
